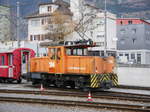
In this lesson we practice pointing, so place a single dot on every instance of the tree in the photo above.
(59, 25)
(86, 22)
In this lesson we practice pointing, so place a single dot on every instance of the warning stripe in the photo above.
(105, 77)
(115, 79)
(95, 80)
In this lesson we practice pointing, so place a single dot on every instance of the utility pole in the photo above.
(105, 30)
(18, 23)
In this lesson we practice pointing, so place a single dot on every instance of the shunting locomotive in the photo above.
(70, 65)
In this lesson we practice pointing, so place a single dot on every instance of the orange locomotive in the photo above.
(70, 65)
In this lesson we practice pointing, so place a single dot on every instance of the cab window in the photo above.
(55, 53)
(76, 51)
(2, 60)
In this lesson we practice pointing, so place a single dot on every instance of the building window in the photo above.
(129, 22)
(31, 38)
(134, 31)
(34, 37)
(100, 43)
(42, 9)
(132, 56)
(44, 21)
(100, 36)
(35, 22)
(122, 31)
(133, 40)
(120, 54)
(127, 55)
(49, 8)
(42, 37)
(122, 41)
(38, 37)
(139, 58)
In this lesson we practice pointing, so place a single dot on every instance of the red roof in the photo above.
(126, 21)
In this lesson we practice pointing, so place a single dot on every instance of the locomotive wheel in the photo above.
(72, 85)
(59, 83)
(45, 83)
(34, 82)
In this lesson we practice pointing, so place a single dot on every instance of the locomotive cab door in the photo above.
(25, 61)
(55, 63)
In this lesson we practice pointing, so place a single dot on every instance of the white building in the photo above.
(97, 33)
(37, 21)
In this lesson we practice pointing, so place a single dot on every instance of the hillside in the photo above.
(127, 8)
(123, 8)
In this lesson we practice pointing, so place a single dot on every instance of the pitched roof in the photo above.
(62, 3)
(37, 15)
(57, 2)
(63, 8)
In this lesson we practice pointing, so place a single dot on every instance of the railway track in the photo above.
(97, 105)
(98, 95)
(133, 87)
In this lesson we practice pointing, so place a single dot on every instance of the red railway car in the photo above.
(14, 63)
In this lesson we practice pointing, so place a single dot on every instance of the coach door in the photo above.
(25, 61)
(10, 66)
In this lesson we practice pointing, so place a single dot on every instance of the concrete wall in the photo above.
(134, 76)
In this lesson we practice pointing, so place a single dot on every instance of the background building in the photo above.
(96, 27)
(38, 21)
(133, 40)
(4, 23)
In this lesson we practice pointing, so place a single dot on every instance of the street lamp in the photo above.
(18, 23)
(105, 16)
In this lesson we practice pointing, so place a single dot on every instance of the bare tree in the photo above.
(58, 26)
(61, 25)
(86, 21)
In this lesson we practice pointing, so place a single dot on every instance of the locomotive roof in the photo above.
(67, 44)
(73, 46)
